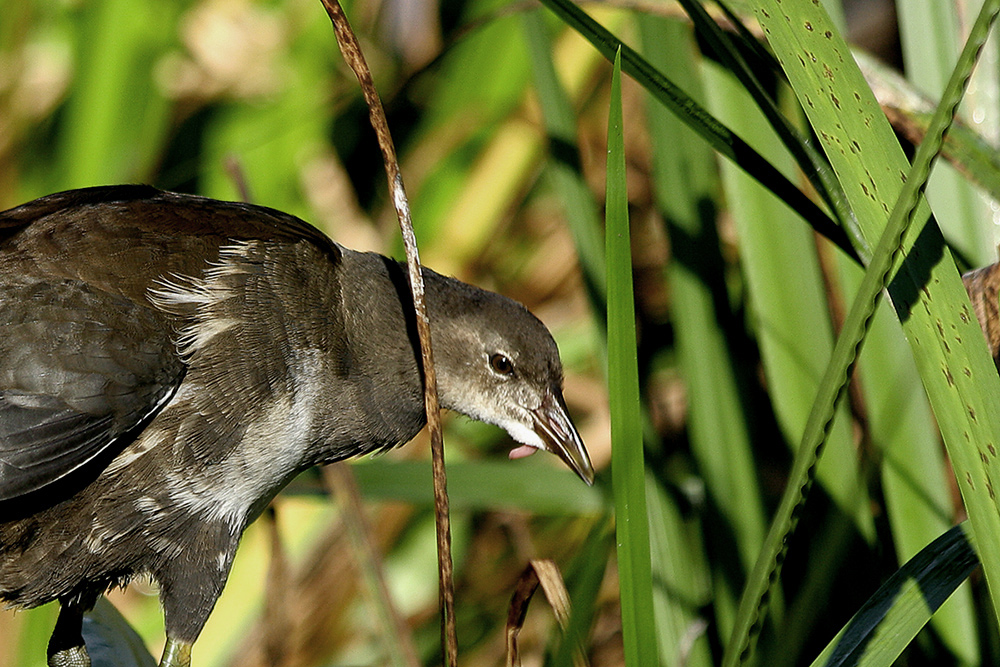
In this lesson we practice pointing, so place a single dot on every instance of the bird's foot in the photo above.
(66, 647)
(176, 654)
(75, 656)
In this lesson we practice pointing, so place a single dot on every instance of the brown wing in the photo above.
(80, 372)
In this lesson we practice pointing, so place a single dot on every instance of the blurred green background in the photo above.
(500, 116)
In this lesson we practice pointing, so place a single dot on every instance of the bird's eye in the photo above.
(501, 364)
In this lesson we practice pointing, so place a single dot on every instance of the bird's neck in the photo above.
(376, 362)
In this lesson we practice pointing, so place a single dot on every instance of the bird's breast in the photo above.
(219, 456)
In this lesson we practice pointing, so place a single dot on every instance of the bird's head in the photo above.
(497, 363)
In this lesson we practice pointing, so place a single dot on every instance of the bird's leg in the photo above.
(176, 653)
(66, 647)
(190, 583)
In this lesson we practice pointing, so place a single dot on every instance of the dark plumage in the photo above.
(168, 363)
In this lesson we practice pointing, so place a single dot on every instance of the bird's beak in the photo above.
(552, 424)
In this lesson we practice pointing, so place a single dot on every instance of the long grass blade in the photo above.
(528, 486)
(893, 616)
(718, 136)
(811, 161)
(914, 470)
(584, 582)
(560, 125)
(627, 466)
(909, 110)
(707, 333)
(931, 36)
(115, 117)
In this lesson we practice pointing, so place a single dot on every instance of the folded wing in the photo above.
(81, 372)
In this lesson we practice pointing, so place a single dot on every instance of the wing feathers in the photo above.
(79, 371)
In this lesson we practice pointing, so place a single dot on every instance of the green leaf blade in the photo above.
(627, 465)
(891, 618)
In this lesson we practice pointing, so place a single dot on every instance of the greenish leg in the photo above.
(176, 654)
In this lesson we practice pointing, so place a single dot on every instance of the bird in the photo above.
(169, 362)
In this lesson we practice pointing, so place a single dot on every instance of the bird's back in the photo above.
(120, 238)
